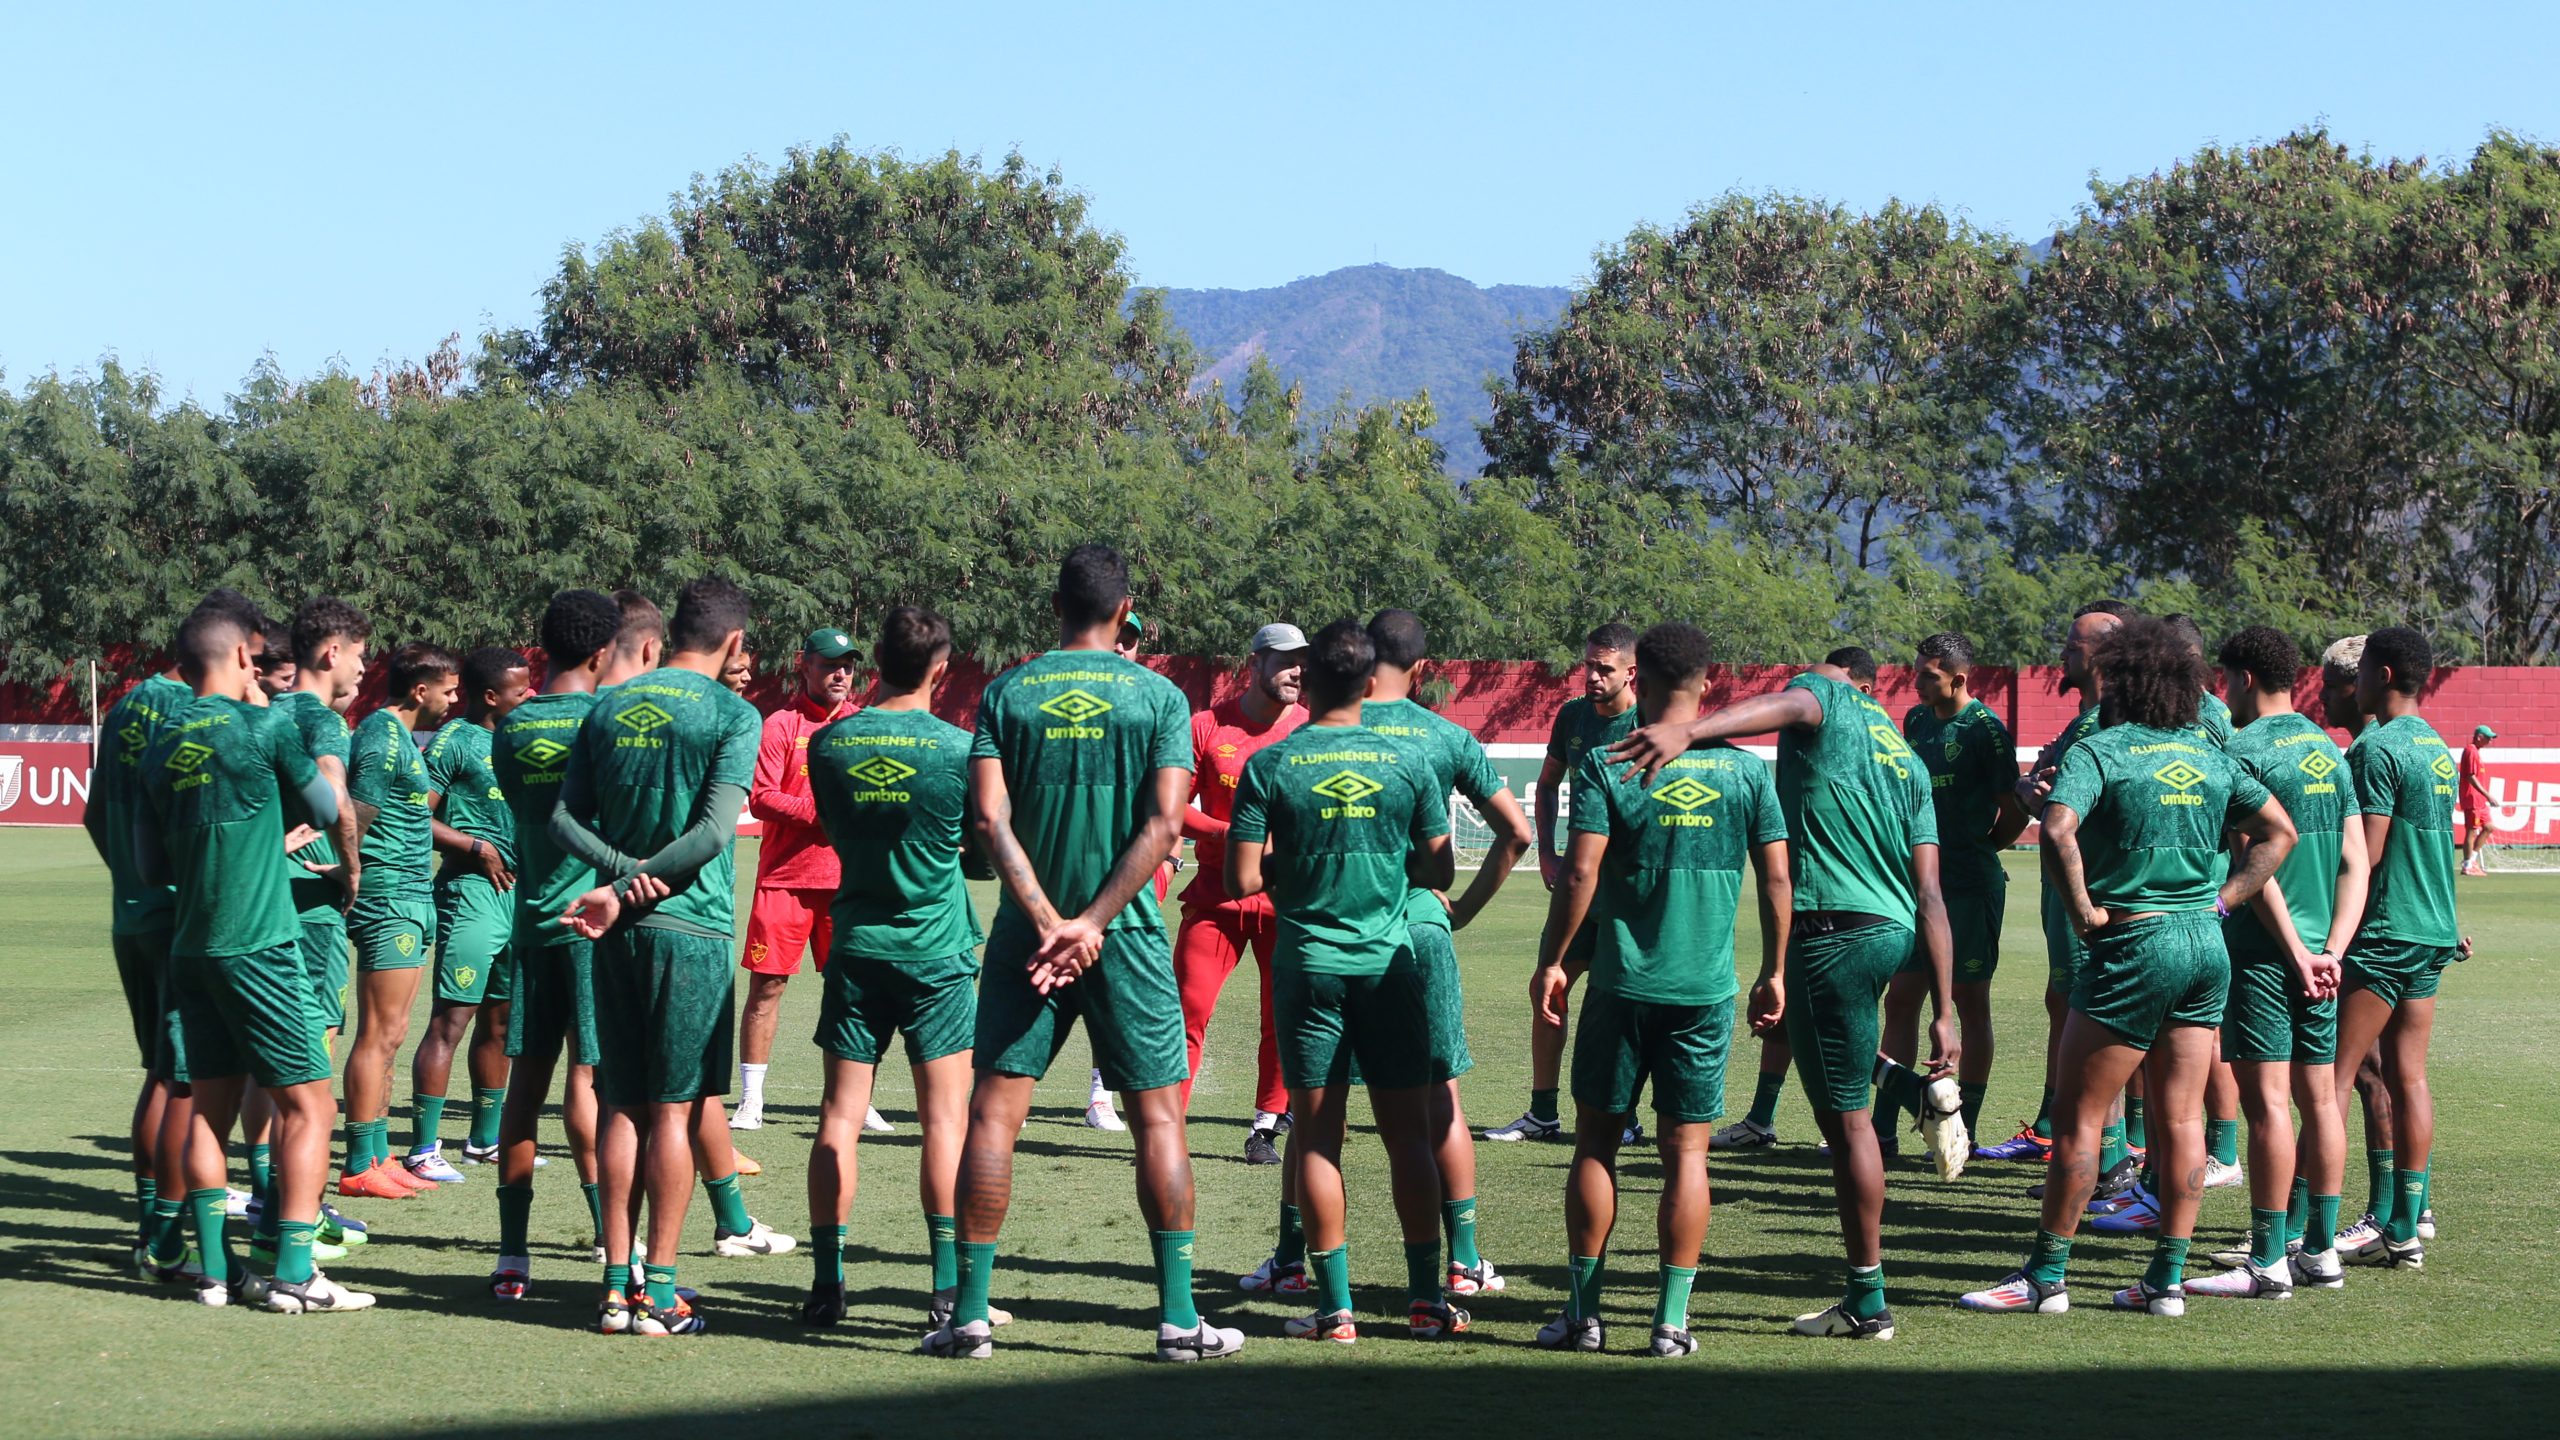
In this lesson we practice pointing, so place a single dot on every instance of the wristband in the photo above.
(2220, 908)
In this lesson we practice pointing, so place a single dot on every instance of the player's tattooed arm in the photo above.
(1072, 944)
(2062, 862)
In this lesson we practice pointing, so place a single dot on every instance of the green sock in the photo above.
(1329, 1278)
(262, 1168)
(377, 1142)
(1971, 1097)
(1866, 1291)
(2222, 1141)
(2409, 1201)
(595, 1207)
(977, 1272)
(2266, 1235)
(213, 1239)
(2136, 1132)
(293, 1250)
(2321, 1233)
(168, 1243)
(942, 1242)
(662, 1286)
(1542, 1104)
(429, 1123)
(1173, 1278)
(1583, 1300)
(1422, 1271)
(826, 1251)
(2044, 1115)
(1292, 1249)
(2168, 1264)
(2111, 1150)
(2297, 1210)
(1765, 1094)
(359, 1158)
(1898, 1086)
(515, 1217)
(1459, 1217)
(1671, 1301)
(2051, 1258)
(146, 1189)
(728, 1207)
(486, 1106)
(618, 1277)
(2377, 1170)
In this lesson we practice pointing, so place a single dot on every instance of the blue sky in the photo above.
(190, 187)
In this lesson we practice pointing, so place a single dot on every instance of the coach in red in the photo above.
(795, 867)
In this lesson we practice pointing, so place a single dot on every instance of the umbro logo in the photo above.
(1348, 787)
(2318, 766)
(188, 756)
(643, 718)
(543, 753)
(2179, 775)
(880, 772)
(2443, 767)
(1075, 707)
(1686, 794)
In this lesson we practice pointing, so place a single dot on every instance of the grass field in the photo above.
(94, 1352)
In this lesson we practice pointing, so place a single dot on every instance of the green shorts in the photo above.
(142, 966)
(248, 1015)
(863, 1001)
(473, 925)
(2148, 974)
(392, 932)
(665, 1030)
(2268, 1020)
(554, 1004)
(327, 965)
(2064, 951)
(1973, 933)
(2395, 970)
(1127, 999)
(1834, 981)
(1435, 952)
(1372, 1030)
(1620, 1044)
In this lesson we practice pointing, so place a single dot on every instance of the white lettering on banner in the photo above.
(43, 782)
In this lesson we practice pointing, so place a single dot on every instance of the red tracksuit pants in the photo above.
(1206, 949)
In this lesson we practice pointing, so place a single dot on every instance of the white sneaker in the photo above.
(235, 1204)
(318, 1295)
(749, 1117)
(1482, 1279)
(2250, 1281)
(1942, 1127)
(1743, 1134)
(1670, 1342)
(1100, 1116)
(2020, 1294)
(212, 1292)
(1837, 1323)
(1567, 1332)
(877, 1123)
(973, 1341)
(2323, 1271)
(1203, 1342)
(2139, 1295)
(2361, 1243)
(430, 1164)
(2218, 1176)
(2427, 1223)
(760, 1239)
(1527, 1127)
(1271, 1277)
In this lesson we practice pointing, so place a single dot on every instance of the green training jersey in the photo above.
(647, 758)
(1856, 802)
(892, 791)
(1972, 764)
(459, 769)
(324, 735)
(1080, 735)
(2213, 719)
(529, 756)
(1343, 806)
(385, 771)
(2153, 805)
(116, 790)
(2402, 769)
(2302, 768)
(1580, 728)
(1458, 763)
(1671, 881)
(214, 781)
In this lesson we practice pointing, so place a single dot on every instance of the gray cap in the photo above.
(1279, 637)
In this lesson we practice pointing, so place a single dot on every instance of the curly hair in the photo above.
(1949, 649)
(2406, 651)
(2148, 675)
(2268, 655)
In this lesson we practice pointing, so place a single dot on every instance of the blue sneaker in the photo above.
(430, 1164)
(2138, 1216)
(2025, 1145)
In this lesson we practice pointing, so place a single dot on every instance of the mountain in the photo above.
(1373, 332)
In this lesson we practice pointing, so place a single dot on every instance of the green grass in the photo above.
(93, 1352)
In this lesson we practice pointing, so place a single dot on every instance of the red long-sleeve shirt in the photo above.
(1222, 739)
(795, 854)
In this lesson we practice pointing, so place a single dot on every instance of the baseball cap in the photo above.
(1132, 622)
(827, 642)
(1279, 637)
(2485, 733)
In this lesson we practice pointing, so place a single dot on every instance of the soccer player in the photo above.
(1078, 776)
(1600, 715)
(655, 783)
(553, 1009)
(212, 824)
(2473, 784)
(2222, 1090)
(1098, 1112)
(1973, 777)
(394, 919)
(276, 668)
(1863, 852)
(1656, 874)
(795, 870)
(475, 916)
(2133, 836)
(890, 786)
(2387, 998)
(1341, 822)
(1458, 763)
(1216, 928)
(2280, 1026)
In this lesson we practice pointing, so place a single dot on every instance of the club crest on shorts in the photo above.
(406, 944)
(463, 977)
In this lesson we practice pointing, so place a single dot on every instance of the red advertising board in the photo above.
(43, 782)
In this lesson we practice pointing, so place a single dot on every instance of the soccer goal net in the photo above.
(1474, 839)
(2520, 859)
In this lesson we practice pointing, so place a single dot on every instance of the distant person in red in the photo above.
(2473, 790)
(795, 866)
(1216, 928)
